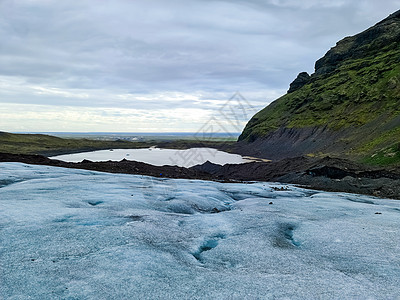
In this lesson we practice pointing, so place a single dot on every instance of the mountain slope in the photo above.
(349, 107)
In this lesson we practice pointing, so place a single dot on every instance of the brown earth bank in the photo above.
(328, 174)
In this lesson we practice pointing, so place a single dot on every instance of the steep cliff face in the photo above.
(350, 106)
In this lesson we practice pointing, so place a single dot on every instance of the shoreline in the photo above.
(326, 174)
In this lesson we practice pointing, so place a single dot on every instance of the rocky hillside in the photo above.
(349, 107)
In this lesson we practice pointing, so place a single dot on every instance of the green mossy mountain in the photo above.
(349, 107)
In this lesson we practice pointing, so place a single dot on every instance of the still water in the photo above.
(159, 157)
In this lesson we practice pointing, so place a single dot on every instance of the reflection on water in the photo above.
(159, 157)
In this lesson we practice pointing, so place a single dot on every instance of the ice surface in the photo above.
(77, 234)
(159, 157)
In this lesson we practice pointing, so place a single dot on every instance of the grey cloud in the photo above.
(153, 46)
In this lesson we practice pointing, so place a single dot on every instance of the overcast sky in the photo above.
(160, 65)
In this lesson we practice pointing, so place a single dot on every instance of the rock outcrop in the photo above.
(302, 79)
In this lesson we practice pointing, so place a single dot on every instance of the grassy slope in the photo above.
(361, 94)
(50, 145)
(43, 144)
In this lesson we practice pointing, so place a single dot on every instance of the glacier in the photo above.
(78, 234)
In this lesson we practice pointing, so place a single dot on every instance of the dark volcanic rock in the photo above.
(293, 142)
(207, 167)
(124, 166)
(330, 174)
(302, 79)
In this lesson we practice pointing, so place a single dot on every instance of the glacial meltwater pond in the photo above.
(79, 234)
(159, 157)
